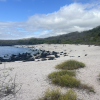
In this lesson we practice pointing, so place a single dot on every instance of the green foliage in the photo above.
(52, 41)
(68, 41)
(57, 95)
(70, 65)
(99, 34)
(61, 73)
(20, 41)
(32, 41)
(64, 78)
(78, 41)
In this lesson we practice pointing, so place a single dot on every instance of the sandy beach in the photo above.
(33, 75)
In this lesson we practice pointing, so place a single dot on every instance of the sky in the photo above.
(43, 18)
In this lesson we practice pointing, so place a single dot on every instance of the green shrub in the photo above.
(70, 65)
(57, 95)
(61, 73)
(64, 78)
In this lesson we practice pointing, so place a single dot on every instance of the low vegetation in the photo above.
(61, 73)
(66, 78)
(57, 95)
(70, 65)
(8, 85)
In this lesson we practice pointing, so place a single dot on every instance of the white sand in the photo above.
(33, 75)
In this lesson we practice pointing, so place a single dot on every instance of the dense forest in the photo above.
(86, 37)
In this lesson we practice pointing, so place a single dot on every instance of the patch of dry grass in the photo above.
(64, 78)
(70, 65)
(57, 95)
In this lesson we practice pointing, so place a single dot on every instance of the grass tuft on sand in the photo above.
(70, 65)
(57, 95)
(61, 73)
(64, 78)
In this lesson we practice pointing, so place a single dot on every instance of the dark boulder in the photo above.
(65, 55)
(31, 59)
(1, 59)
(51, 58)
(0, 62)
(43, 55)
(37, 57)
(35, 54)
(57, 56)
(43, 59)
(54, 53)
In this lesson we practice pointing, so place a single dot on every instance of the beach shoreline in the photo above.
(33, 75)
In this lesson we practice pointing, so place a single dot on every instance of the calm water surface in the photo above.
(9, 50)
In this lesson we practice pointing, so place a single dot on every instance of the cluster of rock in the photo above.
(47, 55)
(19, 57)
(43, 55)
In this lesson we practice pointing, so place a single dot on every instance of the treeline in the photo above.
(39, 41)
(53, 41)
(85, 37)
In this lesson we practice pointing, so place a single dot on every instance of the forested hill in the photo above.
(90, 36)
(86, 37)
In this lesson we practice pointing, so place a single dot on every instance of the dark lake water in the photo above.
(9, 50)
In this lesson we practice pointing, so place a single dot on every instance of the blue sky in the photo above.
(43, 18)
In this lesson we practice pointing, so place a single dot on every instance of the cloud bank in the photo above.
(69, 18)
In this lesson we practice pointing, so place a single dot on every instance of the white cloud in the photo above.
(73, 17)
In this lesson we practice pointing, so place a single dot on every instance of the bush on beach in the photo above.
(66, 78)
(61, 73)
(70, 65)
(57, 95)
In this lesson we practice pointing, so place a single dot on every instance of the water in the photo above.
(7, 51)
